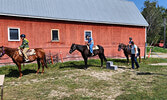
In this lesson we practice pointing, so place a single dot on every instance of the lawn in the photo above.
(157, 49)
(69, 81)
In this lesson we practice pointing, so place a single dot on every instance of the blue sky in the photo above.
(140, 3)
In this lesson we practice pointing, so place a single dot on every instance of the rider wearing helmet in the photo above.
(24, 46)
(130, 42)
(90, 43)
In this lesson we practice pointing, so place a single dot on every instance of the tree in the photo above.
(153, 14)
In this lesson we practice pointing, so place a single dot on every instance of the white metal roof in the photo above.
(121, 12)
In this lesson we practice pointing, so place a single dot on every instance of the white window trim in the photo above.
(85, 34)
(58, 35)
(9, 33)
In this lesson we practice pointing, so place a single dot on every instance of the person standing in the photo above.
(134, 54)
(90, 43)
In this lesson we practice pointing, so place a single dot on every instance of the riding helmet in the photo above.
(130, 38)
(23, 35)
(87, 36)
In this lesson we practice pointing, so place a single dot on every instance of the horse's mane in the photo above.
(11, 49)
(80, 45)
(122, 44)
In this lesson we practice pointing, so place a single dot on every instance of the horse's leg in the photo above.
(139, 58)
(127, 57)
(19, 67)
(101, 58)
(85, 60)
(38, 62)
(42, 62)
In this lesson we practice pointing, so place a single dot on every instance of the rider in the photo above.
(90, 43)
(130, 42)
(24, 46)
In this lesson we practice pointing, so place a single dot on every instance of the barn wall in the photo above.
(38, 32)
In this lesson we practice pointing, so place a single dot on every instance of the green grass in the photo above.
(157, 49)
(69, 81)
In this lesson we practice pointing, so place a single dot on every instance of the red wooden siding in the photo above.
(38, 32)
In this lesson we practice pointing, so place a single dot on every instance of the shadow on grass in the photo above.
(148, 73)
(74, 65)
(120, 60)
(15, 73)
(124, 68)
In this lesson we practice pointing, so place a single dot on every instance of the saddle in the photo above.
(94, 47)
(30, 52)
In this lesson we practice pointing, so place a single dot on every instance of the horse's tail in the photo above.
(102, 52)
(45, 62)
(104, 58)
(139, 55)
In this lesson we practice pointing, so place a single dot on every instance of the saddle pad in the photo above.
(29, 52)
(94, 48)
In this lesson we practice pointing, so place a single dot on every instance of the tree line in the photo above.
(154, 14)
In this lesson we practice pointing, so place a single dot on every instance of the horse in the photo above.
(18, 59)
(85, 52)
(127, 51)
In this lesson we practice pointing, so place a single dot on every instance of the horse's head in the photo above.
(121, 46)
(2, 52)
(73, 48)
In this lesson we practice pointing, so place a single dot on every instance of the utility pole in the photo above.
(164, 31)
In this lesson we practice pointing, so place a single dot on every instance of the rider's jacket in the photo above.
(24, 44)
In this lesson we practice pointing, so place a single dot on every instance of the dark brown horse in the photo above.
(83, 49)
(127, 51)
(17, 59)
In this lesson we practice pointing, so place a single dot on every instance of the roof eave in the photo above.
(76, 20)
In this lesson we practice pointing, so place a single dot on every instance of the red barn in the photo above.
(55, 24)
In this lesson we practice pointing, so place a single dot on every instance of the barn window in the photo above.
(13, 34)
(87, 33)
(55, 35)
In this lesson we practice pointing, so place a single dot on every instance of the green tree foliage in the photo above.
(154, 15)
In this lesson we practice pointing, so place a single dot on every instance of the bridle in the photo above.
(73, 48)
(3, 52)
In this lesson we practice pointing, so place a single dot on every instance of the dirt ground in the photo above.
(158, 55)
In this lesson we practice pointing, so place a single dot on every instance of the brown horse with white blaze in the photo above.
(18, 59)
